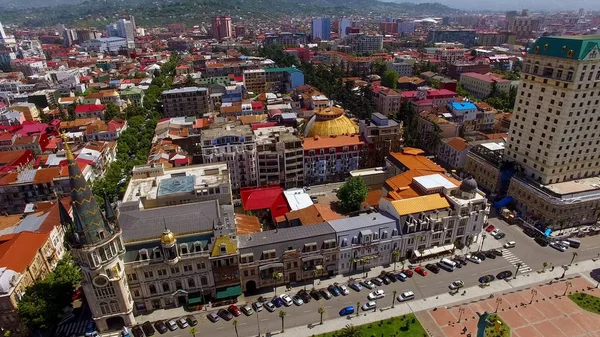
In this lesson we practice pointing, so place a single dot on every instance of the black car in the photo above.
(433, 268)
(541, 241)
(316, 295)
(497, 252)
(304, 296)
(391, 276)
(480, 255)
(385, 280)
(504, 274)
(148, 329)
(224, 314)
(490, 254)
(461, 260)
(458, 263)
(530, 232)
(137, 331)
(192, 321)
(161, 327)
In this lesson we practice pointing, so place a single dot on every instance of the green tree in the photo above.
(189, 81)
(282, 315)
(111, 111)
(395, 256)
(276, 277)
(43, 302)
(193, 331)
(235, 325)
(351, 331)
(389, 79)
(321, 311)
(352, 193)
(379, 67)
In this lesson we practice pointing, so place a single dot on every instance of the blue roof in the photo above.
(463, 106)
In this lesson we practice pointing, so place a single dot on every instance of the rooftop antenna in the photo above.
(165, 223)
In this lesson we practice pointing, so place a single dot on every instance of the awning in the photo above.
(195, 298)
(229, 292)
(271, 265)
(312, 258)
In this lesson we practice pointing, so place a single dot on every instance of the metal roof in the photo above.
(362, 221)
(283, 236)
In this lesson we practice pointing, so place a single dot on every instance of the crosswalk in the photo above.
(512, 259)
(73, 328)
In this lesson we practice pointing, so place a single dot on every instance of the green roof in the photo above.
(280, 70)
(568, 47)
(131, 91)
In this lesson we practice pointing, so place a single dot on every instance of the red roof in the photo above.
(256, 126)
(89, 108)
(272, 197)
(17, 251)
(486, 78)
(257, 105)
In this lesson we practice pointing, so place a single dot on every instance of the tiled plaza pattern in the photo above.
(550, 313)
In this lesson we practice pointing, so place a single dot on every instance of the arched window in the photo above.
(104, 308)
(191, 283)
(178, 285)
(203, 280)
(152, 288)
(165, 286)
(114, 306)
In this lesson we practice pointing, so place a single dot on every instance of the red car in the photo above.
(407, 272)
(235, 311)
(77, 295)
(421, 271)
(490, 228)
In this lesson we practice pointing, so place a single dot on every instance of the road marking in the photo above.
(219, 328)
(264, 319)
(328, 307)
(307, 310)
(242, 324)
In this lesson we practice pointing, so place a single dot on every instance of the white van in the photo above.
(510, 244)
(447, 264)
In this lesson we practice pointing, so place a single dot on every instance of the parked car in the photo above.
(355, 285)
(495, 231)
(349, 310)
(224, 314)
(480, 255)
(402, 277)
(90, 330)
(496, 252)
(304, 296)
(456, 284)
(474, 259)
(461, 260)
(490, 228)
(297, 300)
(433, 268)
(499, 236)
(504, 274)
(269, 306)
(247, 310)
(161, 327)
(258, 307)
(277, 302)
(458, 263)
(334, 290)
(326, 294)
(510, 244)
(234, 310)
(490, 254)
(565, 244)
(368, 284)
(377, 281)
(192, 320)
(286, 299)
(542, 241)
(486, 279)
(148, 329)
(343, 289)
(385, 280)
(213, 317)
(182, 323)
(369, 306)
(377, 294)
(172, 325)
(405, 296)
(558, 246)
(408, 273)
(316, 294)
(421, 271)
(391, 276)
(530, 232)
(137, 331)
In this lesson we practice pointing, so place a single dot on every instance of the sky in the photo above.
(503, 5)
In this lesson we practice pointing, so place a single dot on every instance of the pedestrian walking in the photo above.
(552, 268)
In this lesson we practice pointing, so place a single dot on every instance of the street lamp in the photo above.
(258, 323)
(498, 302)
(482, 241)
(567, 287)
(461, 311)
(533, 293)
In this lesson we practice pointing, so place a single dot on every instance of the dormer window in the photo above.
(143, 254)
(157, 254)
(197, 246)
(223, 248)
(184, 248)
(101, 235)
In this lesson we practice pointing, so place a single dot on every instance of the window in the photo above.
(178, 285)
(203, 280)
(148, 274)
(191, 283)
(152, 288)
(165, 286)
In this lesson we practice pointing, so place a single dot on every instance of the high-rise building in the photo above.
(321, 29)
(221, 27)
(553, 137)
(343, 25)
(2, 33)
(125, 29)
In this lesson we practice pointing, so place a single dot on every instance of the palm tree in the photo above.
(193, 331)
(403, 261)
(573, 259)
(394, 298)
(276, 277)
(282, 315)
(235, 324)
(364, 262)
(351, 331)
(357, 308)
(395, 256)
(321, 311)
(544, 266)
(315, 274)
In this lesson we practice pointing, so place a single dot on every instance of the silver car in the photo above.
(369, 306)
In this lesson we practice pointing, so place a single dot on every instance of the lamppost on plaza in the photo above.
(568, 284)
(533, 293)
(498, 302)
(518, 267)
(461, 311)
(482, 241)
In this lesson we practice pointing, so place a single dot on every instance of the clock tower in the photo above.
(97, 247)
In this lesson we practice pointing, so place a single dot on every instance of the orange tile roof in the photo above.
(313, 215)
(458, 143)
(413, 161)
(373, 198)
(46, 175)
(424, 203)
(10, 220)
(333, 141)
(253, 118)
(17, 251)
(246, 224)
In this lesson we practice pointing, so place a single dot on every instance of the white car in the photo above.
(405, 296)
(172, 325)
(369, 306)
(495, 231)
(473, 259)
(377, 294)
(287, 301)
(456, 284)
(368, 284)
(510, 244)
(343, 289)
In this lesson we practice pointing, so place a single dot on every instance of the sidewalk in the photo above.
(442, 300)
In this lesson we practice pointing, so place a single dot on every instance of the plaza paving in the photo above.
(550, 313)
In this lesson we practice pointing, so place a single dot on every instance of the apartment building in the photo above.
(18, 189)
(387, 101)
(483, 164)
(464, 36)
(524, 27)
(481, 85)
(285, 39)
(448, 56)
(255, 80)
(403, 65)
(330, 159)
(382, 136)
(234, 144)
(190, 101)
(280, 157)
(453, 152)
(456, 69)
(553, 134)
(363, 43)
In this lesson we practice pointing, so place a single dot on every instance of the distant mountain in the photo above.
(159, 12)
(16, 4)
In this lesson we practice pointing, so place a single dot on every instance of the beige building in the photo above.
(191, 101)
(483, 163)
(255, 80)
(280, 157)
(481, 85)
(553, 136)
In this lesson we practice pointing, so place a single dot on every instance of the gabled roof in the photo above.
(17, 251)
(265, 197)
(458, 143)
(420, 204)
(89, 107)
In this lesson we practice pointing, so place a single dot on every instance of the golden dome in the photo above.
(167, 237)
(330, 121)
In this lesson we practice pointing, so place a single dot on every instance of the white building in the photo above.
(105, 44)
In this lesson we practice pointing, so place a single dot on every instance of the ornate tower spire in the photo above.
(90, 226)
